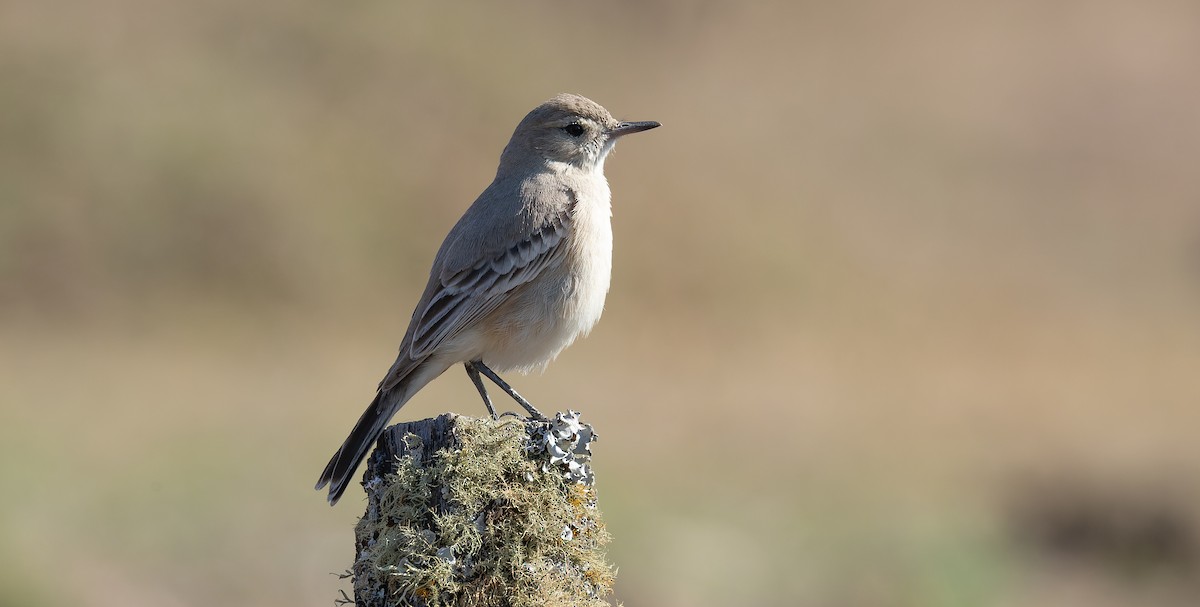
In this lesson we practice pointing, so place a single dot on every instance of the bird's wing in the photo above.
(462, 296)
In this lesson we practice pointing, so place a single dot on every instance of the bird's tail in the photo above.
(388, 400)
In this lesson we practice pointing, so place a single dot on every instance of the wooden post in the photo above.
(463, 511)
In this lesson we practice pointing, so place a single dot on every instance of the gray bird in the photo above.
(522, 274)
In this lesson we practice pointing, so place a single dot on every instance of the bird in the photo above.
(520, 276)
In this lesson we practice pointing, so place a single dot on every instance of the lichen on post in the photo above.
(463, 511)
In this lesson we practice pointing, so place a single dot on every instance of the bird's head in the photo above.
(568, 129)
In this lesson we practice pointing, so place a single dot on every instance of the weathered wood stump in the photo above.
(463, 511)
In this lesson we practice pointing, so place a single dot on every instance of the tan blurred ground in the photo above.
(888, 274)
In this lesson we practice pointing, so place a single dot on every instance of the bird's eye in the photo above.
(574, 129)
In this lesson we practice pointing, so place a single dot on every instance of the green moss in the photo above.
(482, 524)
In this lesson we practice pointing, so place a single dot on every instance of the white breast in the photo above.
(593, 257)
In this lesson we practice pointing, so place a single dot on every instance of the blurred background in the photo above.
(904, 308)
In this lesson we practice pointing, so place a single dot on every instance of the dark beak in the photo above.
(626, 128)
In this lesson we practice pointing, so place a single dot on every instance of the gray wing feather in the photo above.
(471, 293)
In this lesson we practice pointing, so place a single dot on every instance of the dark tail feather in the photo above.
(370, 426)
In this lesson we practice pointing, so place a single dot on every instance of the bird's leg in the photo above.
(507, 388)
(473, 373)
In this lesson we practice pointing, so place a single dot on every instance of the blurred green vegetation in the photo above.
(889, 275)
